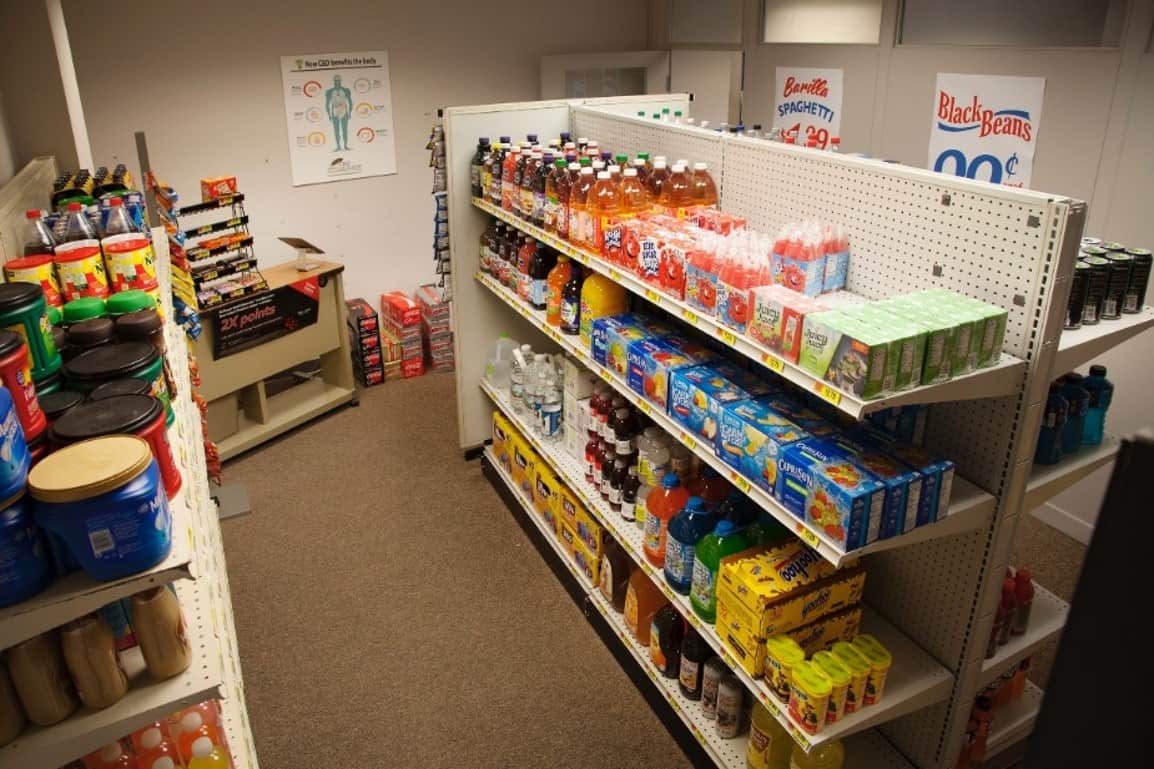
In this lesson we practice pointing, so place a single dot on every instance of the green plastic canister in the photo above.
(24, 310)
(137, 360)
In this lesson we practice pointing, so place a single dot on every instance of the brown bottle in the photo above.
(90, 653)
(158, 625)
(617, 483)
(41, 679)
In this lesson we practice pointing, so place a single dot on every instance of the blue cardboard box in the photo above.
(801, 415)
(696, 397)
(903, 487)
(612, 336)
(753, 384)
(752, 435)
(819, 484)
(937, 474)
(651, 366)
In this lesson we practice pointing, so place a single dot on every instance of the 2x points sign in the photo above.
(265, 316)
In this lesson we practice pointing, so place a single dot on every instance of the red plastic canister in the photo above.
(16, 375)
(141, 415)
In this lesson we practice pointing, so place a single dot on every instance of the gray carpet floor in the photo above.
(391, 612)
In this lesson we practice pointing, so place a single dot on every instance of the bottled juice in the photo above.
(710, 486)
(655, 184)
(661, 505)
(829, 755)
(477, 165)
(703, 191)
(508, 170)
(674, 198)
(615, 176)
(769, 743)
(600, 297)
(540, 180)
(564, 188)
(665, 636)
(686, 530)
(571, 303)
(578, 206)
(602, 206)
(206, 755)
(532, 159)
(1101, 392)
(633, 198)
(554, 285)
(725, 539)
(621, 161)
(642, 170)
(613, 580)
(642, 600)
(552, 199)
(694, 653)
(544, 260)
(493, 170)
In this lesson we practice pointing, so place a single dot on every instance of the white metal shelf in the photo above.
(1082, 345)
(916, 680)
(146, 700)
(550, 536)
(1014, 722)
(1047, 618)
(1003, 378)
(970, 507)
(1048, 481)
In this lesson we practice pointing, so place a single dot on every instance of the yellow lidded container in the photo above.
(809, 696)
(782, 653)
(840, 677)
(880, 660)
(859, 671)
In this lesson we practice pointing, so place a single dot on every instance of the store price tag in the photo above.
(689, 441)
(652, 296)
(739, 481)
(645, 407)
(827, 392)
(690, 316)
(728, 336)
(807, 536)
(615, 274)
(798, 737)
(773, 364)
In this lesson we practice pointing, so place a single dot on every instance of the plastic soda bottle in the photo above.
(675, 193)
(206, 755)
(703, 191)
(655, 184)
(525, 183)
(508, 172)
(118, 222)
(579, 221)
(602, 205)
(661, 505)
(554, 286)
(79, 226)
(37, 237)
(686, 529)
(1101, 392)
(725, 539)
(710, 486)
(477, 165)
(600, 297)
(571, 303)
(769, 743)
(642, 600)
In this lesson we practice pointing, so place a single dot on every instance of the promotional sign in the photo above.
(986, 127)
(808, 104)
(340, 116)
(264, 316)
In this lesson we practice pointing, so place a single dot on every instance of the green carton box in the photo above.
(845, 352)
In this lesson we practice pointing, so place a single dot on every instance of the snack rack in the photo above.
(911, 229)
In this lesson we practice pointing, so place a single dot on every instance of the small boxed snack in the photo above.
(574, 515)
(578, 380)
(673, 253)
(753, 384)
(825, 632)
(937, 474)
(778, 317)
(696, 397)
(819, 484)
(845, 352)
(800, 414)
(216, 187)
(524, 465)
(503, 433)
(686, 346)
(738, 637)
(545, 489)
(651, 366)
(903, 484)
(611, 338)
(585, 561)
(752, 435)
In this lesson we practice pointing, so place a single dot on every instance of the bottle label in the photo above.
(590, 466)
(538, 290)
(538, 206)
(654, 534)
(605, 580)
(655, 652)
(569, 313)
(526, 201)
(689, 673)
(678, 560)
(574, 232)
(584, 228)
(627, 512)
(614, 495)
(631, 611)
(703, 590)
(475, 176)
(549, 217)
(624, 446)
(604, 484)
(760, 744)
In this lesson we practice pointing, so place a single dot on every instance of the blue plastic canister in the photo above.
(103, 498)
(14, 459)
(24, 566)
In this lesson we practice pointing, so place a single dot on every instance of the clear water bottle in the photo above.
(118, 222)
(551, 408)
(535, 384)
(37, 237)
(517, 374)
(77, 225)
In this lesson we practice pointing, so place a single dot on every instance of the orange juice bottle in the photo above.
(655, 184)
(703, 192)
(580, 224)
(602, 206)
(557, 177)
(643, 599)
(554, 285)
(508, 168)
(661, 505)
(675, 192)
(633, 199)
(600, 297)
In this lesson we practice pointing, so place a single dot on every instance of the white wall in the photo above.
(7, 162)
(202, 79)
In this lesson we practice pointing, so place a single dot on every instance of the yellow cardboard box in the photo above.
(584, 560)
(502, 430)
(574, 514)
(747, 648)
(546, 486)
(524, 465)
(843, 625)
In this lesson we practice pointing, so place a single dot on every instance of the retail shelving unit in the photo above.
(197, 561)
(935, 588)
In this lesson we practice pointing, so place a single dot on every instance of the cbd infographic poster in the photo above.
(340, 116)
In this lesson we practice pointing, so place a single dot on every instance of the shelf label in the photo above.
(615, 274)
(799, 737)
(807, 536)
(689, 441)
(645, 407)
(652, 296)
(827, 392)
(689, 315)
(728, 336)
(773, 364)
(739, 481)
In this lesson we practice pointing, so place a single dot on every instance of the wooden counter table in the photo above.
(241, 414)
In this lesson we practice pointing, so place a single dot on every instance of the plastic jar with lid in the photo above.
(125, 302)
(89, 333)
(87, 490)
(118, 387)
(24, 566)
(60, 402)
(139, 360)
(81, 272)
(24, 311)
(39, 269)
(21, 395)
(82, 309)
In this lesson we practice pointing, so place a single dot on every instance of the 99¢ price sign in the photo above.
(985, 127)
(807, 106)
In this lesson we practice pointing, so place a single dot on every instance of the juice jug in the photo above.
(613, 580)
(578, 206)
(602, 205)
(642, 600)
(552, 199)
(641, 168)
(206, 755)
(661, 505)
(769, 743)
(686, 529)
(1101, 392)
(725, 539)
(571, 303)
(655, 184)
(554, 285)
(710, 486)
(829, 755)
(600, 297)
(674, 198)
(703, 192)
(665, 636)
(633, 198)
(565, 186)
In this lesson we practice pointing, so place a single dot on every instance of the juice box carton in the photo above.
(903, 485)
(819, 484)
(777, 588)
(651, 366)
(701, 281)
(969, 328)
(524, 466)
(821, 634)
(752, 435)
(696, 396)
(215, 187)
(904, 357)
(777, 318)
(503, 439)
(937, 474)
(694, 349)
(991, 328)
(845, 353)
(655, 326)
(611, 338)
(938, 348)
(753, 384)
(739, 638)
(584, 560)
(573, 514)
(800, 414)
(545, 489)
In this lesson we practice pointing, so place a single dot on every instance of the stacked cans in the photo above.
(1109, 281)
(436, 328)
(401, 325)
(365, 342)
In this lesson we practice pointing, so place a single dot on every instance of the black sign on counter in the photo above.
(265, 316)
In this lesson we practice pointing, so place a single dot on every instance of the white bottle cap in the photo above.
(603, 175)
(586, 171)
(574, 166)
(699, 166)
(638, 162)
(659, 157)
(191, 721)
(631, 172)
(614, 169)
(164, 762)
(111, 752)
(659, 163)
(202, 747)
(582, 140)
(150, 738)
(682, 162)
(679, 167)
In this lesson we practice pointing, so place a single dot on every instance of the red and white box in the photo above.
(400, 310)
(216, 187)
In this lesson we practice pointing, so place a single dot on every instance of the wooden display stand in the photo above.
(241, 414)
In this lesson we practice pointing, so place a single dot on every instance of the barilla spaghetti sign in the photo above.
(986, 127)
(808, 104)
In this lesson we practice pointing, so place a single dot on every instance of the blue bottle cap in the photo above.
(670, 481)
(696, 504)
(725, 527)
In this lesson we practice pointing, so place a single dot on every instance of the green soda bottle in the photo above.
(726, 539)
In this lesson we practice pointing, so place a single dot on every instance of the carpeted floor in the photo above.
(390, 611)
